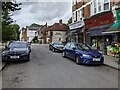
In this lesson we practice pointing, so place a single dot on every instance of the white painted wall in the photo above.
(61, 34)
(30, 35)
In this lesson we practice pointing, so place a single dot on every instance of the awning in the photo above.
(97, 31)
(115, 28)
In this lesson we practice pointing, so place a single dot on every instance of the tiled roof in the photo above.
(55, 27)
(59, 26)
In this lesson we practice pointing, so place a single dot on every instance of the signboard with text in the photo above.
(76, 25)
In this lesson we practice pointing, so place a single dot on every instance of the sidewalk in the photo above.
(110, 61)
(1, 64)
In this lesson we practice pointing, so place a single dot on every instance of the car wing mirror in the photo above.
(74, 48)
(6, 47)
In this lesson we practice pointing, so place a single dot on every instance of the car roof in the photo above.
(19, 42)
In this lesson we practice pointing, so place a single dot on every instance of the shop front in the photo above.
(114, 47)
(76, 33)
(95, 26)
(99, 41)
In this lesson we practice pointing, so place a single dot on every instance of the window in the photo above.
(95, 6)
(73, 17)
(95, 10)
(98, 6)
(106, 5)
(106, 1)
(78, 15)
(72, 45)
(67, 45)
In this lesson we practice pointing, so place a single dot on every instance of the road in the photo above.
(49, 70)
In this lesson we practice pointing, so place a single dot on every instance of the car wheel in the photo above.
(28, 59)
(49, 48)
(77, 59)
(64, 54)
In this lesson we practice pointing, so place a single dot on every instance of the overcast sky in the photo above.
(42, 12)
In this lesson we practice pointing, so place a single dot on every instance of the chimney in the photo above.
(46, 24)
(60, 21)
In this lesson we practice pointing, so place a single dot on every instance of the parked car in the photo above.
(82, 53)
(16, 51)
(56, 46)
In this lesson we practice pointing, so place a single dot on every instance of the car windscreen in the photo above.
(57, 43)
(84, 46)
(17, 45)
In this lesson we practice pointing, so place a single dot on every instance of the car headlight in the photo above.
(84, 55)
(4, 53)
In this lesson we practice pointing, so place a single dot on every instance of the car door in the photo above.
(72, 51)
(67, 49)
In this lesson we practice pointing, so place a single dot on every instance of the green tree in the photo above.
(7, 8)
(69, 21)
(15, 28)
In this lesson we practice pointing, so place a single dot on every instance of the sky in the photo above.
(41, 12)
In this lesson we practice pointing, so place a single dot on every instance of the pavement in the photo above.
(110, 61)
(2, 65)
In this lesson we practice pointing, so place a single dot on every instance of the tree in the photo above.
(15, 28)
(7, 32)
(69, 21)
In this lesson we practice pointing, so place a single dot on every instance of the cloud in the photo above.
(42, 12)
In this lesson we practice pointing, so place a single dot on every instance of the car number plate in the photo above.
(14, 57)
(96, 59)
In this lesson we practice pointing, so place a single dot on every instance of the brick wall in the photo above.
(99, 20)
(86, 11)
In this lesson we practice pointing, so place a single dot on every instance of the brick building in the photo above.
(90, 18)
(55, 32)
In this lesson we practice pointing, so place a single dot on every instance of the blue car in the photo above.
(82, 54)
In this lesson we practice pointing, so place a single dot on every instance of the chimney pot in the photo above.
(60, 21)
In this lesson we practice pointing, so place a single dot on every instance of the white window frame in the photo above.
(108, 2)
(97, 7)
(74, 16)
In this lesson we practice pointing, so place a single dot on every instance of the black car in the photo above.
(16, 51)
(56, 46)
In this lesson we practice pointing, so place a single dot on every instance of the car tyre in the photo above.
(28, 59)
(49, 48)
(77, 60)
(64, 54)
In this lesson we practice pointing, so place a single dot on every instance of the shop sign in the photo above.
(118, 15)
(76, 25)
